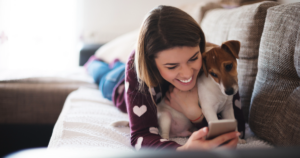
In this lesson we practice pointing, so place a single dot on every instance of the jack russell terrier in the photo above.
(216, 88)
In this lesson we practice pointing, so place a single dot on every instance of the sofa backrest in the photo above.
(244, 24)
(275, 103)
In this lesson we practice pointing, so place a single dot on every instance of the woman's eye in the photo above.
(194, 59)
(170, 68)
(213, 74)
(228, 67)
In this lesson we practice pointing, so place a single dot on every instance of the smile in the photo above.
(186, 81)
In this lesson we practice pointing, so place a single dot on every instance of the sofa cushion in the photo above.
(119, 48)
(244, 24)
(197, 10)
(275, 110)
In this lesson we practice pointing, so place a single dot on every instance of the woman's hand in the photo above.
(197, 141)
(185, 102)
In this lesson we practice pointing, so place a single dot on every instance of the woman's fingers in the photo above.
(224, 138)
(200, 134)
(231, 144)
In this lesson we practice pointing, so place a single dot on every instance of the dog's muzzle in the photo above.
(229, 91)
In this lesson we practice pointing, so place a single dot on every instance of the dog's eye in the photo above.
(213, 74)
(228, 67)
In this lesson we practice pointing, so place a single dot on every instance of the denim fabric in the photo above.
(110, 80)
(97, 69)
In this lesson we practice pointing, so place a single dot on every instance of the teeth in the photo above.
(186, 81)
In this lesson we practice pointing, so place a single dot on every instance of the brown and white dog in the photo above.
(216, 88)
(220, 83)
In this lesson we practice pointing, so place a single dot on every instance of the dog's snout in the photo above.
(229, 91)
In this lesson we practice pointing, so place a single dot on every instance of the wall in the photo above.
(103, 20)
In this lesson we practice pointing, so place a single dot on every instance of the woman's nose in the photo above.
(186, 71)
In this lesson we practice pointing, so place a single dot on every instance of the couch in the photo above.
(268, 72)
(29, 107)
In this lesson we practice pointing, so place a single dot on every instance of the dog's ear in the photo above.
(204, 64)
(233, 47)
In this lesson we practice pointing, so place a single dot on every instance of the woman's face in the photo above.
(180, 66)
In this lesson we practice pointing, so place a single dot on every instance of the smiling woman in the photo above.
(178, 68)
(39, 34)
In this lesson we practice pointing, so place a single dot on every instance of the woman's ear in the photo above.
(233, 47)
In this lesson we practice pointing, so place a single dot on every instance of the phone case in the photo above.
(220, 127)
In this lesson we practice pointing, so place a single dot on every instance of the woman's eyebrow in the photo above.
(177, 63)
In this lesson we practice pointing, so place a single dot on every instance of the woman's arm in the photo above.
(142, 115)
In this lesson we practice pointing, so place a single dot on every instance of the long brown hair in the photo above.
(164, 27)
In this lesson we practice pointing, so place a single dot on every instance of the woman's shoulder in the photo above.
(130, 70)
(132, 79)
(131, 57)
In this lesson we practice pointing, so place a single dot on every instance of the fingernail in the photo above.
(238, 134)
(205, 129)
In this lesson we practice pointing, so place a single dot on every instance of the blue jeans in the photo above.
(110, 80)
(106, 77)
(97, 69)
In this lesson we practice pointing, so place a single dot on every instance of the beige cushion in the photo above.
(244, 24)
(246, 2)
(235, 3)
(119, 48)
(275, 109)
(197, 10)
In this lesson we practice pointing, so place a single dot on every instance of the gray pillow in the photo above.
(275, 103)
(244, 24)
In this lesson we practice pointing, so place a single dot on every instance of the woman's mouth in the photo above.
(186, 81)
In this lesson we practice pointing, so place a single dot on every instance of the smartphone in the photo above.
(216, 128)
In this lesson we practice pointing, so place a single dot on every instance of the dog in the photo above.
(219, 83)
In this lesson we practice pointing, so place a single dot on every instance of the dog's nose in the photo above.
(229, 91)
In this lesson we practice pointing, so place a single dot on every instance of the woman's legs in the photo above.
(97, 69)
(110, 80)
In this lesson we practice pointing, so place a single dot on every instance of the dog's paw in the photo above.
(120, 124)
(242, 141)
(165, 136)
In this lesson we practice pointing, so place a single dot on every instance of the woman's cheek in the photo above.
(169, 76)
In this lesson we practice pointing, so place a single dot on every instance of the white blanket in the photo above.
(85, 123)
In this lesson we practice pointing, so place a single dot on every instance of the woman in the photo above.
(166, 62)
